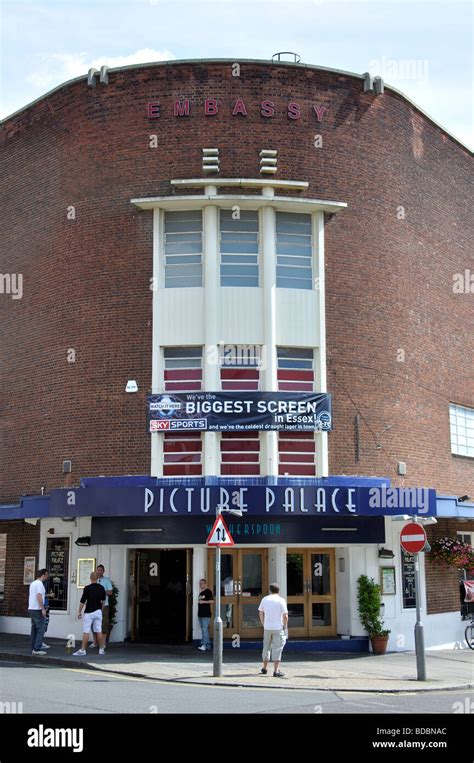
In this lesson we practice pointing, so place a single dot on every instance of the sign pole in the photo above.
(419, 629)
(219, 536)
(413, 540)
(218, 633)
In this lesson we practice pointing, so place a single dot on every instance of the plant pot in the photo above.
(379, 644)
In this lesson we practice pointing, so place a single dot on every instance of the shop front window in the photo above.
(57, 564)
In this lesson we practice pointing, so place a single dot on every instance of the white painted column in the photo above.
(322, 457)
(211, 322)
(281, 570)
(199, 571)
(269, 373)
(156, 469)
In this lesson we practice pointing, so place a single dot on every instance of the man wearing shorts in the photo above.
(92, 598)
(273, 614)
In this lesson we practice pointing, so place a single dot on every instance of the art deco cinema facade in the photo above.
(232, 232)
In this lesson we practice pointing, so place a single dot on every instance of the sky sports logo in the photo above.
(161, 424)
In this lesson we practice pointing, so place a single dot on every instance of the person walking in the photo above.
(273, 614)
(205, 600)
(92, 599)
(37, 611)
(107, 583)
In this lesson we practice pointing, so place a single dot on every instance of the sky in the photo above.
(423, 48)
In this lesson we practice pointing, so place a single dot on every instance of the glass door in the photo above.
(229, 589)
(322, 593)
(243, 583)
(252, 587)
(311, 592)
(296, 592)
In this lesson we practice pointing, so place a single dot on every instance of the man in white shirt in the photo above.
(273, 614)
(37, 611)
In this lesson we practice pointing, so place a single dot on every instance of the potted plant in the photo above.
(112, 601)
(369, 600)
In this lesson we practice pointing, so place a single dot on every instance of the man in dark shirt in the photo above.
(93, 598)
(204, 614)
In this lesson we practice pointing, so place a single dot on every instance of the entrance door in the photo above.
(162, 596)
(311, 592)
(243, 583)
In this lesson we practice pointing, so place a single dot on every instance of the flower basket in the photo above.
(454, 552)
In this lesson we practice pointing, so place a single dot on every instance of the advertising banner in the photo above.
(239, 411)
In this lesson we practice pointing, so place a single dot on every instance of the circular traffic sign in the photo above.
(413, 538)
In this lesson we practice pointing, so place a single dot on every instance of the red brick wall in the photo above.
(86, 281)
(442, 580)
(22, 540)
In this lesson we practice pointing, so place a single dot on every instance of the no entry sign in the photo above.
(413, 538)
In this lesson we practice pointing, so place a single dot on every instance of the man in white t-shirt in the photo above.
(37, 611)
(273, 614)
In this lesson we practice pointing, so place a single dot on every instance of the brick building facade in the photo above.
(398, 339)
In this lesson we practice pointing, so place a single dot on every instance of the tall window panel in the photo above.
(183, 369)
(183, 249)
(295, 369)
(296, 450)
(296, 454)
(240, 370)
(294, 249)
(461, 420)
(240, 454)
(239, 248)
(182, 451)
(240, 367)
(182, 454)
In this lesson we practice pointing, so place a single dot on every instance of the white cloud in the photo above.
(60, 67)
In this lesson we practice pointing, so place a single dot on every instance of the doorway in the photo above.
(161, 608)
(311, 592)
(243, 583)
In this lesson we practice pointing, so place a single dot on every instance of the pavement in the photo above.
(451, 669)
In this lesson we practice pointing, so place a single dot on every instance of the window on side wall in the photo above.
(294, 251)
(3, 559)
(183, 249)
(239, 248)
(461, 421)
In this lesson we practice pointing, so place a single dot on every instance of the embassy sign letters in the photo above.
(242, 411)
(238, 107)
